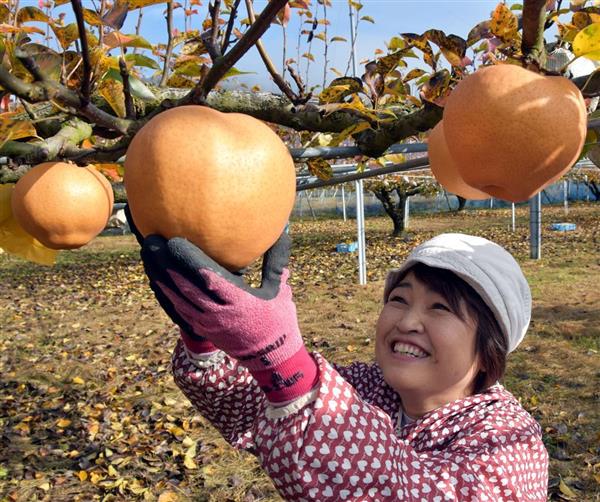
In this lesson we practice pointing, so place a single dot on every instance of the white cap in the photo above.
(488, 268)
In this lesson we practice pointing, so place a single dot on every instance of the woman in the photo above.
(428, 421)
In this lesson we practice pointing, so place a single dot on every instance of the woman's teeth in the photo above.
(410, 350)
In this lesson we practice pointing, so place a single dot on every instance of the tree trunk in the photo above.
(594, 188)
(394, 211)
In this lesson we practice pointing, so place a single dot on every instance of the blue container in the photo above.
(563, 227)
(347, 248)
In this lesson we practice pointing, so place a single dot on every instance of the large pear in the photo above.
(512, 132)
(224, 181)
(444, 169)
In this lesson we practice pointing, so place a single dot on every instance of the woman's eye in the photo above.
(397, 299)
(441, 306)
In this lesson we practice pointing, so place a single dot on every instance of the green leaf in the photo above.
(137, 87)
(368, 19)
(337, 39)
(587, 42)
(141, 60)
(233, 72)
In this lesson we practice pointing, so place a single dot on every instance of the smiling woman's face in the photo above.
(425, 350)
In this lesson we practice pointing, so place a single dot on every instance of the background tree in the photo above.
(394, 190)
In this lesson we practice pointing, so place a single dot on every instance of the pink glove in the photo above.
(257, 326)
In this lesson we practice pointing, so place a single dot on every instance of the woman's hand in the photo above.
(257, 326)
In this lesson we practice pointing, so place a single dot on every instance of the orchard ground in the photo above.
(88, 409)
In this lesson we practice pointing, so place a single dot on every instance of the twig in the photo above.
(215, 9)
(325, 61)
(129, 108)
(169, 18)
(225, 63)
(85, 55)
(297, 78)
(28, 109)
(278, 79)
(226, 38)
(138, 27)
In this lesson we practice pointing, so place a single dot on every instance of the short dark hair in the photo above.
(490, 343)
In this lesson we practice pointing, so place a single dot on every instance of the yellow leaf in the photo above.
(78, 380)
(566, 491)
(112, 471)
(14, 240)
(82, 475)
(178, 432)
(112, 91)
(350, 348)
(189, 463)
(45, 486)
(96, 477)
(5, 207)
(587, 42)
(168, 496)
(504, 23)
(11, 129)
(63, 422)
(320, 168)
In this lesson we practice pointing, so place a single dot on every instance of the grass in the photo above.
(88, 409)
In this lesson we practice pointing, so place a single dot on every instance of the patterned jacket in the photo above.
(344, 441)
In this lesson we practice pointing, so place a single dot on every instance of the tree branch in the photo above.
(534, 18)
(85, 54)
(169, 51)
(223, 64)
(55, 147)
(277, 78)
(129, 108)
(230, 22)
(48, 90)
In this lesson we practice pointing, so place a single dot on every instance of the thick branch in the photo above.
(55, 147)
(169, 52)
(222, 65)
(534, 18)
(85, 53)
(48, 90)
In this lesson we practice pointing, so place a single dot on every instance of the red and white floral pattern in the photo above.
(345, 444)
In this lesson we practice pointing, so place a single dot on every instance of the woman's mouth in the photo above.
(407, 349)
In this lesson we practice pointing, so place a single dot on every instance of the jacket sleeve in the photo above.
(223, 391)
(339, 447)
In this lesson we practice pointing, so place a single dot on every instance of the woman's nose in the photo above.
(410, 321)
